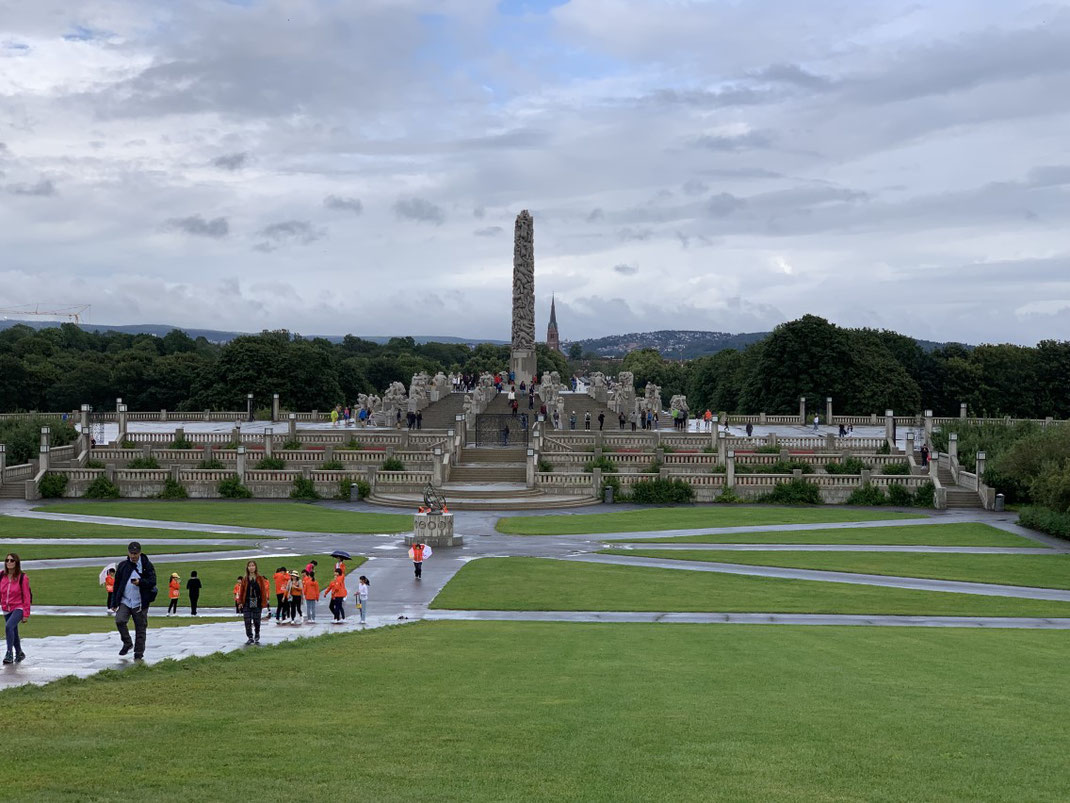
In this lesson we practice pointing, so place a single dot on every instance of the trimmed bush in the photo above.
(304, 489)
(94, 464)
(172, 490)
(292, 445)
(345, 489)
(852, 465)
(182, 443)
(270, 464)
(718, 469)
(211, 464)
(788, 466)
(795, 492)
(899, 496)
(612, 481)
(127, 445)
(894, 469)
(231, 488)
(661, 491)
(353, 444)
(392, 464)
(884, 448)
(332, 465)
(654, 467)
(102, 488)
(769, 449)
(144, 462)
(729, 497)
(53, 485)
(603, 462)
(545, 465)
(1045, 520)
(925, 496)
(869, 495)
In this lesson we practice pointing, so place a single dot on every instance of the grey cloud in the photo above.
(200, 227)
(517, 138)
(596, 215)
(626, 270)
(695, 187)
(715, 142)
(1049, 175)
(723, 204)
(343, 204)
(231, 161)
(709, 99)
(791, 74)
(289, 231)
(420, 210)
(4, 149)
(489, 231)
(479, 212)
(42, 188)
(629, 233)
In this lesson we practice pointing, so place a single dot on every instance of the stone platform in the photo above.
(433, 529)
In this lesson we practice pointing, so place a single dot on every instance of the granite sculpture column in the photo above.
(522, 357)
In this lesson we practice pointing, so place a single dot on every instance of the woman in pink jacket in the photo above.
(15, 598)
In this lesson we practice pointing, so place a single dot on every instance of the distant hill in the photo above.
(220, 336)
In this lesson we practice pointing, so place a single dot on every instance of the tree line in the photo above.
(864, 370)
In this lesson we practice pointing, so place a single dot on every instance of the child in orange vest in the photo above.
(172, 606)
(337, 590)
(109, 586)
(237, 595)
(312, 593)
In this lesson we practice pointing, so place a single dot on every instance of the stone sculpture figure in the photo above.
(442, 383)
(626, 392)
(652, 398)
(679, 402)
(468, 404)
(418, 387)
(523, 283)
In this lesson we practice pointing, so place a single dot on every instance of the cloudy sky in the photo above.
(356, 165)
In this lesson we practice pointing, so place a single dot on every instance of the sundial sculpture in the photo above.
(434, 502)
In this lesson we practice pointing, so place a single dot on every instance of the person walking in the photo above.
(419, 419)
(15, 599)
(817, 420)
(282, 579)
(572, 420)
(135, 590)
(109, 586)
(172, 594)
(749, 428)
(297, 592)
(237, 594)
(505, 435)
(193, 591)
(631, 419)
(587, 421)
(362, 597)
(417, 553)
(337, 590)
(254, 595)
(312, 593)
(601, 420)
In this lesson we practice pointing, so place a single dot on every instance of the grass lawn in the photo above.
(958, 534)
(40, 626)
(18, 527)
(541, 584)
(114, 551)
(274, 515)
(533, 711)
(81, 586)
(685, 518)
(1045, 571)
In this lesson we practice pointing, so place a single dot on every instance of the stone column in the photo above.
(980, 466)
(3, 461)
(532, 467)
(522, 356)
(241, 464)
(235, 435)
(770, 439)
(910, 444)
(269, 442)
(122, 422)
(802, 410)
(730, 469)
(828, 410)
(207, 415)
(293, 426)
(830, 442)
(274, 407)
(889, 427)
(163, 415)
(962, 409)
(953, 446)
(762, 419)
(180, 434)
(46, 438)
(437, 469)
(929, 427)
(85, 436)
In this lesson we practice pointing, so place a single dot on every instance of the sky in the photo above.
(356, 166)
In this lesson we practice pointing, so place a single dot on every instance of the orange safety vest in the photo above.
(109, 583)
(282, 579)
(173, 585)
(312, 589)
(418, 554)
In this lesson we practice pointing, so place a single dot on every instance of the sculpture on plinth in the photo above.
(522, 356)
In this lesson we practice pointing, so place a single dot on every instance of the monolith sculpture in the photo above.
(522, 357)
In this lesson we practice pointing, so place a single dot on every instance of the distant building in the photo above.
(552, 339)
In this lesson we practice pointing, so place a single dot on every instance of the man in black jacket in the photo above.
(135, 590)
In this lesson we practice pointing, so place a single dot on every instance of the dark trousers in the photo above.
(418, 567)
(633, 426)
(295, 608)
(337, 607)
(172, 606)
(252, 622)
(280, 606)
(193, 603)
(141, 624)
(111, 600)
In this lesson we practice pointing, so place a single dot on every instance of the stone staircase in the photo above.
(443, 413)
(13, 490)
(957, 497)
(582, 403)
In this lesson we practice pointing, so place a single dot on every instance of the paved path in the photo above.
(888, 581)
(957, 550)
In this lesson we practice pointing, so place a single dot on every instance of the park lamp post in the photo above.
(249, 405)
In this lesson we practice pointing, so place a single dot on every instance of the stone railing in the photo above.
(19, 473)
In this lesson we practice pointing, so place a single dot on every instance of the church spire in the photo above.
(552, 338)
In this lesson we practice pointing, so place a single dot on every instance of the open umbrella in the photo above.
(104, 572)
(341, 554)
(427, 552)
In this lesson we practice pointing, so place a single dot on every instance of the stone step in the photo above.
(537, 502)
(488, 491)
(474, 474)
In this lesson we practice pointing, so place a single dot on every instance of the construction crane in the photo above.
(73, 314)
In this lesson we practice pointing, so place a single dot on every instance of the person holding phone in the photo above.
(135, 590)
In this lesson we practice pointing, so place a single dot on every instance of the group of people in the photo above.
(350, 416)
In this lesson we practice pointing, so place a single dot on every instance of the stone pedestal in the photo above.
(523, 364)
(433, 529)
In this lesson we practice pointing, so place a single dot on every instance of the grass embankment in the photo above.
(38, 626)
(686, 518)
(273, 515)
(958, 534)
(20, 527)
(540, 584)
(114, 551)
(508, 711)
(1043, 571)
(82, 586)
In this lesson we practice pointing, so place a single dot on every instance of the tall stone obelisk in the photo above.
(522, 358)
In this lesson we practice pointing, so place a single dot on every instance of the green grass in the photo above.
(958, 534)
(82, 586)
(686, 518)
(541, 584)
(52, 551)
(18, 527)
(462, 711)
(1045, 571)
(40, 626)
(274, 515)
